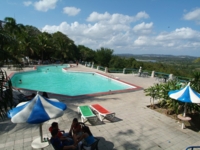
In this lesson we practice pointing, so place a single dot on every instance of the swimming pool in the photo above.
(55, 79)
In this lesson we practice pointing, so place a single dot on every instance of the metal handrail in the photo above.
(192, 147)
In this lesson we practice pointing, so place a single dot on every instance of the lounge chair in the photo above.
(86, 113)
(102, 112)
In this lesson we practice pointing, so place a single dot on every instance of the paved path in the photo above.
(136, 127)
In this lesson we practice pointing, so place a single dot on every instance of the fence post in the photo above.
(170, 76)
(153, 74)
(97, 67)
(124, 70)
(106, 69)
(92, 64)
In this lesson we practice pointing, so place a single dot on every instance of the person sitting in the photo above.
(86, 139)
(63, 136)
(75, 127)
(57, 143)
(30, 97)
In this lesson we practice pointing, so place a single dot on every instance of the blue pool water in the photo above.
(52, 79)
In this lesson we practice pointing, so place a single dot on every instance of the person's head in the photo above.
(86, 129)
(75, 121)
(44, 94)
(54, 125)
(54, 132)
(33, 95)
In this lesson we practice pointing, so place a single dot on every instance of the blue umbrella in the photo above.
(37, 111)
(187, 95)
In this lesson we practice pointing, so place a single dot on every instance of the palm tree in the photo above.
(27, 45)
(195, 83)
(6, 40)
(13, 30)
(44, 44)
(12, 27)
(63, 46)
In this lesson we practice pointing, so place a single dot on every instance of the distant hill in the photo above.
(160, 58)
(155, 55)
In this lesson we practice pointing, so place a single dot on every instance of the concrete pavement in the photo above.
(136, 127)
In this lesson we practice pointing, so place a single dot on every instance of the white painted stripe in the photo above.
(178, 94)
(24, 114)
(51, 110)
(194, 98)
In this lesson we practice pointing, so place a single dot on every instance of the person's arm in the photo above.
(78, 129)
(71, 130)
(69, 147)
(84, 135)
(63, 138)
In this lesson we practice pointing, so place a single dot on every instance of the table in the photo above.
(37, 144)
(182, 118)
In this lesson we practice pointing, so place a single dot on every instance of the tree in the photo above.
(6, 41)
(28, 41)
(197, 60)
(86, 54)
(117, 62)
(196, 81)
(103, 56)
(63, 46)
(45, 45)
(12, 27)
(14, 30)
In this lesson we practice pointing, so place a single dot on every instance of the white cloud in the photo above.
(111, 31)
(141, 15)
(179, 34)
(98, 17)
(193, 15)
(143, 28)
(116, 18)
(71, 11)
(45, 5)
(141, 40)
(27, 3)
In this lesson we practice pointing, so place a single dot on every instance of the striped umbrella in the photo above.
(187, 95)
(37, 111)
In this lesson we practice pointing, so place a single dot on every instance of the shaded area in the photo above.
(193, 124)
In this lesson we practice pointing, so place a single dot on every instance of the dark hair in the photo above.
(54, 132)
(33, 94)
(86, 129)
(44, 94)
(75, 120)
(54, 124)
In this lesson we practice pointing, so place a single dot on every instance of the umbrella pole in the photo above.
(185, 109)
(41, 135)
(184, 115)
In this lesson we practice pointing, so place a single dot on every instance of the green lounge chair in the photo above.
(86, 113)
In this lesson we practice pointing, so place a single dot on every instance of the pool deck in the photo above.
(136, 127)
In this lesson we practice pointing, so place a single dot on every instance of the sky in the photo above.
(125, 26)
